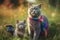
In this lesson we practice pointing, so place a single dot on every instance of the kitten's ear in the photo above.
(39, 5)
(17, 21)
(24, 21)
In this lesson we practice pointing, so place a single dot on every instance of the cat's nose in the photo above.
(34, 11)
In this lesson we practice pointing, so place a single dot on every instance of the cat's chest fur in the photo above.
(34, 24)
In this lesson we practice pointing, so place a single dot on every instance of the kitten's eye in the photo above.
(36, 8)
(21, 24)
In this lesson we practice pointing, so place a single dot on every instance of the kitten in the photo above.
(20, 28)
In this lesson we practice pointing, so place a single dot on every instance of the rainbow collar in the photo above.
(39, 19)
(34, 19)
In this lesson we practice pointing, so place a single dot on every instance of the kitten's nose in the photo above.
(20, 26)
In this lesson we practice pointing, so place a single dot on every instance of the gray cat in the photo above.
(20, 28)
(35, 20)
(33, 24)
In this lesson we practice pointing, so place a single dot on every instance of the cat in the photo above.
(20, 28)
(34, 22)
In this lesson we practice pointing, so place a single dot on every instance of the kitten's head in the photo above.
(34, 10)
(21, 24)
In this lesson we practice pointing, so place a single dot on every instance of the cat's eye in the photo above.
(31, 10)
(35, 8)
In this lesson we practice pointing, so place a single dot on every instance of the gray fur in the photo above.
(34, 11)
(20, 29)
(34, 26)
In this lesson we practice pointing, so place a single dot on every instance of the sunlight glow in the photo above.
(53, 14)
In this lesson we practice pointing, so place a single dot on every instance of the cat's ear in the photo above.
(39, 5)
(29, 5)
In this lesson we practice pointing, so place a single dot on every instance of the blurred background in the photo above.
(12, 10)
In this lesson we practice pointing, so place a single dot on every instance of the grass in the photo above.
(54, 33)
(11, 16)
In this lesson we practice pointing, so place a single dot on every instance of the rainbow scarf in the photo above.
(39, 19)
(44, 24)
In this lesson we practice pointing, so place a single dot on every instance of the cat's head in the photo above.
(21, 24)
(34, 10)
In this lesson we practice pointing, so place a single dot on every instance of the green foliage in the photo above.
(54, 27)
(54, 33)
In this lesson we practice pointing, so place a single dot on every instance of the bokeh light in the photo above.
(53, 14)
